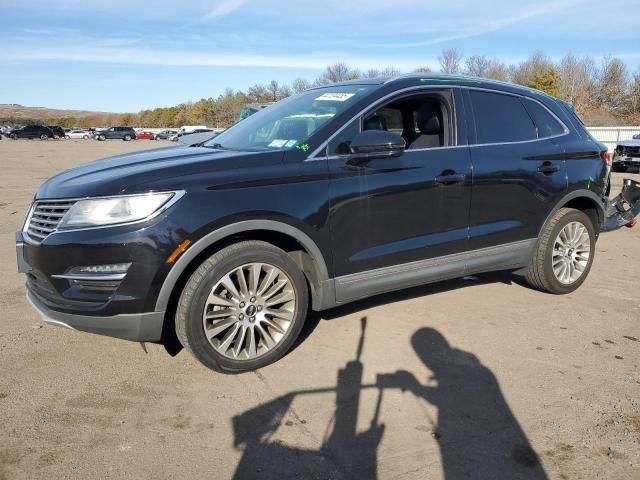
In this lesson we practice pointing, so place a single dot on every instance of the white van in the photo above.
(190, 128)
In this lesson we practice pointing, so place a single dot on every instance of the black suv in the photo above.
(58, 132)
(115, 133)
(31, 132)
(333, 195)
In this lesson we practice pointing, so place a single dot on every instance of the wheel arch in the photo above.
(302, 249)
(583, 200)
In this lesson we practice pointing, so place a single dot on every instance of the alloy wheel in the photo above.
(249, 311)
(571, 252)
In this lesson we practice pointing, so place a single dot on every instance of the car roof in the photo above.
(429, 78)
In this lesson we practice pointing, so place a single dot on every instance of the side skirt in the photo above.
(360, 285)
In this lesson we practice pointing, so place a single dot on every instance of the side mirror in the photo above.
(372, 144)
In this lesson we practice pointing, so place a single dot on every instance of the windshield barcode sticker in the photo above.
(335, 97)
(277, 143)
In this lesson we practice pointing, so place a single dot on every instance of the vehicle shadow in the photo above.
(314, 318)
(477, 434)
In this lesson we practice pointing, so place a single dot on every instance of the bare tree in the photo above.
(612, 86)
(338, 72)
(258, 93)
(300, 85)
(450, 61)
(422, 70)
(481, 66)
(524, 72)
(577, 81)
(634, 99)
(384, 73)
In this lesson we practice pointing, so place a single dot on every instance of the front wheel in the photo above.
(44, 137)
(85, 137)
(564, 253)
(127, 138)
(13, 136)
(102, 138)
(243, 307)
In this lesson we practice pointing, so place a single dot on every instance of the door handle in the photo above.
(450, 179)
(548, 168)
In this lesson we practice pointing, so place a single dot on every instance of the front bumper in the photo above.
(139, 327)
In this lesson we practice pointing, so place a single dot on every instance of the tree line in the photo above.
(604, 93)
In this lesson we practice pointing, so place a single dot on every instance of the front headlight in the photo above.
(96, 212)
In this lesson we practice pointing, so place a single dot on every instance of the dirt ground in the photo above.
(472, 378)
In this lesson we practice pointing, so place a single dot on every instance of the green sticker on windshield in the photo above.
(304, 147)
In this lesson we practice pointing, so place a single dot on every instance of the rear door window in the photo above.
(501, 118)
(546, 124)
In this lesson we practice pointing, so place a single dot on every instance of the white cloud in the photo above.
(224, 8)
(129, 56)
(481, 27)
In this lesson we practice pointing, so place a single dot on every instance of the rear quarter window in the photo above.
(546, 124)
(501, 118)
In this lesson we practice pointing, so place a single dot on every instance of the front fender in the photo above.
(224, 232)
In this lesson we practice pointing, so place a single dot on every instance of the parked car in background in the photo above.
(79, 134)
(250, 109)
(627, 155)
(166, 134)
(146, 135)
(333, 195)
(58, 132)
(199, 135)
(31, 132)
(115, 133)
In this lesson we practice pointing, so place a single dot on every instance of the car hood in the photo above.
(161, 168)
(629, 143)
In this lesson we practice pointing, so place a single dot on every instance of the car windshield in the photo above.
(290, 122)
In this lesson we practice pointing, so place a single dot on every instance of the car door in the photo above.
(393, 218)
(518, 174)
(111, 132)
(29, 132)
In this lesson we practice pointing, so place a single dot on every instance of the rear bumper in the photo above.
(623, 209)
(138, 327)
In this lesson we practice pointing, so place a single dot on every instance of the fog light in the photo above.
(97, 269)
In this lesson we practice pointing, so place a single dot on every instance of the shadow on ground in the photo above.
(477, 434)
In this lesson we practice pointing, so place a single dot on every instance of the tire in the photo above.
(127, 138)
(540, 272)
(44, 137)
(13, 136)
(67, 137)
(209, 277)
(85, 137)
(102, 138)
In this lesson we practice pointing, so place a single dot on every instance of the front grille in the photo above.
(630, 151)
(45, 217)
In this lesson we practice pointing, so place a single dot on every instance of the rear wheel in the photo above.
(243, 307)
(44, 137)
(564, 253)
(85, 137)
(13, 136)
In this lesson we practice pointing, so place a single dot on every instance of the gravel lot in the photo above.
(473, 378)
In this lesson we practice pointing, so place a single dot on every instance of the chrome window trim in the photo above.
(489, 90)
(323, 146)
(178, 194)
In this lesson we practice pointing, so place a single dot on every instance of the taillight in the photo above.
(606, 158)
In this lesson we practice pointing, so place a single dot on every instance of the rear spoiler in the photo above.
(623, 209)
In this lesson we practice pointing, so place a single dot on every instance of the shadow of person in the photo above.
(344, 453)
(478, 435)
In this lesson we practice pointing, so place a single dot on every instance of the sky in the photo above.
(130, 55)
